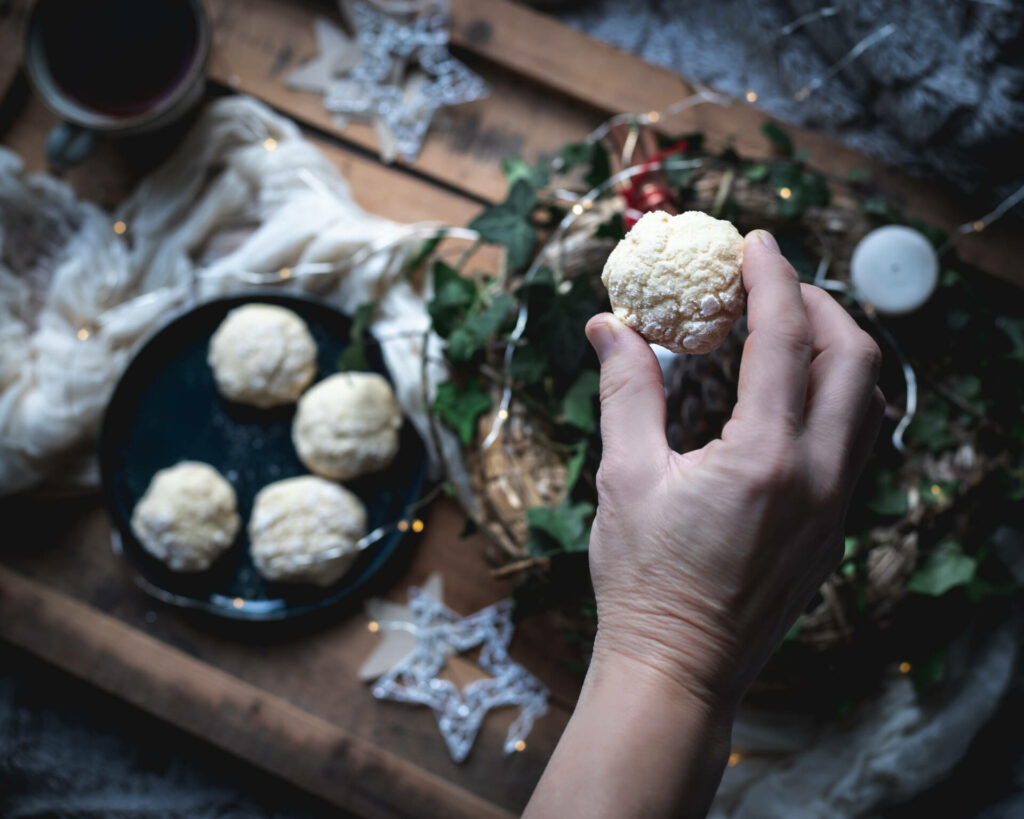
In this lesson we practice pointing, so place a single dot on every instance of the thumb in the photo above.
(632, 394)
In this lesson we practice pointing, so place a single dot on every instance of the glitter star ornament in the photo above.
(437, 633)
(404, 73)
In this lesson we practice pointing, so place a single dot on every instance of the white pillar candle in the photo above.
(895, 269)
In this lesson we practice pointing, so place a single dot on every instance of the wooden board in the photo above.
(288, 700)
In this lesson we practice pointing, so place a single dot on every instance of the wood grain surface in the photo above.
(287, 698)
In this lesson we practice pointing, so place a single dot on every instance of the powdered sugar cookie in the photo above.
(677, 280)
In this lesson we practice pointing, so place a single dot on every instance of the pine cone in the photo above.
(701, 392)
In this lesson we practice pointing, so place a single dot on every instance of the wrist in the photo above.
(694, 666)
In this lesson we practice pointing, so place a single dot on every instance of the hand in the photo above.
(702, 561)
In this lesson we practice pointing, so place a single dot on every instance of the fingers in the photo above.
(841, 383)
(776, 356)
(632, 395)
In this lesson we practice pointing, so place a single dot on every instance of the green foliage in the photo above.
(931, 427)
(353, 357)
(614, 228)
(515, 169)
(529, 364)
(474, 333)
(779, 138)
(565, 528)
(575, 466)
(578, 404)
(508, 224)
(925, 675)
(556, 321)
(422, 253)
(1014, 330)
(879, 206)
(460, 405)
(889, 499)
(944, 569)
(453, 297)
(756, 173)
(856, 175)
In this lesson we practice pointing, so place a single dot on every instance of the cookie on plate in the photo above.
(262, 355)
(347, 425)
(305, 530)
(188, 516)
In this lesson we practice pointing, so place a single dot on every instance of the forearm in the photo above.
(638, 745)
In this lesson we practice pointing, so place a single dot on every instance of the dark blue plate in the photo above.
(166, 409)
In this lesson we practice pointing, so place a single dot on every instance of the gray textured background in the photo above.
(944, 97)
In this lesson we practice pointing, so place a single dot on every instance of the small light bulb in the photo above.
(654, 116)
(735, 758)
(83, 334)
(785, 193)
(577, 209)
(238, 603)
(978, 226)
(751, 95)
(120, 227)
(403, 526)
(373, 626)
(270, 144)
(520, 745)
(503, 414)
(905, 667)
(417, 525)
(936, 490)
(285, 272)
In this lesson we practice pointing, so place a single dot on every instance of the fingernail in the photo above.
(602, 338)
(766, 239)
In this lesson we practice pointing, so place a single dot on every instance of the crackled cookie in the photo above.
(262, 355)
(677, 280)
(188, 516)
(305, 530)
(347, 425)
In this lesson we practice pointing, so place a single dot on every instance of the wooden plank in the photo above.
(265, 730)
(258, 43)
(545, 51)
(311, 665)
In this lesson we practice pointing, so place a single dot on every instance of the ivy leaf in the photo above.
(756, 173)
(793, 633)
(856, 175)
(477, 329)
(453, 296)
(515, 169)
(1014, 330)
(614, 228)
(460, 406)
(422, 253)
(354, 355)
(575, 466)
(578, 404)
(557, 320)
(561, 529)
(929, 673)
(944, 569)
(778, 137)
(931, 427)
(600, 169)
(889, 498)
(573, 154)
(879, 206)
(507, 224)
(529, 364)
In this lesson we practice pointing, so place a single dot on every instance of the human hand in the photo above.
(702, 561)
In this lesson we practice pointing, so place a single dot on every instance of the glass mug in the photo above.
(115, 67)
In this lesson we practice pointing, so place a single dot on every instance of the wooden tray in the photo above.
(287, 700)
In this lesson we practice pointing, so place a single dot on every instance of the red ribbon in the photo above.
(643, 196)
